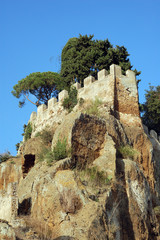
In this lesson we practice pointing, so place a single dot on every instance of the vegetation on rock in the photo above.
(5, 156)
(46, 136)
(27, 131)
(93, 175)
(93, 107)
(127, 151)
(60, 150)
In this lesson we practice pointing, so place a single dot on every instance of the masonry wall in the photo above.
(118, 91)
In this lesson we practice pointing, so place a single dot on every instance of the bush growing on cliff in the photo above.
(27, 131)
(93, 107)
(46, 136)
(94, 176)
(127, 152)
(5, 156)
(60, 150)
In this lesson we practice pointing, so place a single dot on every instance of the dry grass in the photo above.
(35, 229)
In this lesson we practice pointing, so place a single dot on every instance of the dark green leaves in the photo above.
(84, 56)
(43, 86)
(151, 109)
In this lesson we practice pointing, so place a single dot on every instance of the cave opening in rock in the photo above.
(24, 208)
(29, 161)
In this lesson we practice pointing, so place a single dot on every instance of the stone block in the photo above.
(41, 109)
(62, 95)
(115, 70)
(76, 85)
(51, 103)
(131, 75)
(88, 80)
(33, 116)
(102, 74)
(153, 134)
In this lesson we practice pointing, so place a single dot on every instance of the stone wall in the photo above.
(119, 92)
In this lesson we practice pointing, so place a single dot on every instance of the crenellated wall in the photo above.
(119, 92)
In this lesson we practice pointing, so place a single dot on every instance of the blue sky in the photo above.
(34, 32)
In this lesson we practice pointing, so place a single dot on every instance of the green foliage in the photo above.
(94, 176)
(42, 85)
(151, 109)
(42, 154)
(59, 152)
(47, 155)
(93, 107)
(70, 102)
(127, 152)
(84, 56)
(27, 131)
(17, 146)
(60, 149)
(5, 156)
(46, 136)
(12, 162)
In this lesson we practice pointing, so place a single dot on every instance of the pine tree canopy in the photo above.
(42, 85)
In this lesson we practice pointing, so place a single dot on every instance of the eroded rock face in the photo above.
(88, 136)
(6, 231)
(129, 210)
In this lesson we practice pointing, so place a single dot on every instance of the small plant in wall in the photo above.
(93, 107)
(27, 131)
(71, 101)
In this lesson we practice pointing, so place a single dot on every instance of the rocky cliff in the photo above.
(107, 187)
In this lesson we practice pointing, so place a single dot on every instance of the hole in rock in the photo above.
(24, 208)
(29, 160)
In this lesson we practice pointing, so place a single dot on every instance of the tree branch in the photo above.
(30, 100)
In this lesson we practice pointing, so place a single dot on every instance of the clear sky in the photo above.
(34, 32)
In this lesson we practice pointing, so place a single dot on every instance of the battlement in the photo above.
(107, 88)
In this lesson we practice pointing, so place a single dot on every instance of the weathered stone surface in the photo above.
(64, 130)
(71, 198)
(6, 231)
(106, 162)
(88, 135)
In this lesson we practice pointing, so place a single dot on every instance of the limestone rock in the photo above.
(6, 231)
(64, 130)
